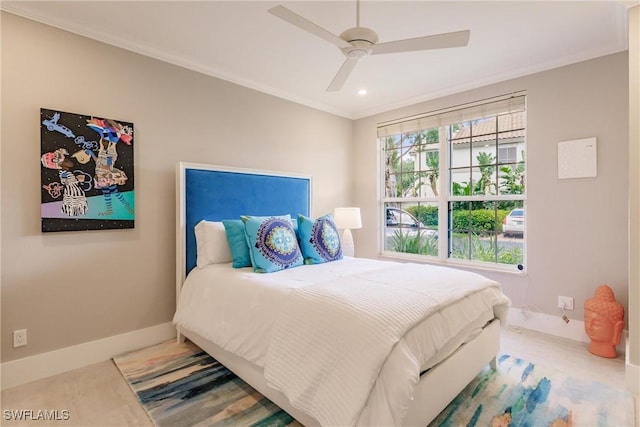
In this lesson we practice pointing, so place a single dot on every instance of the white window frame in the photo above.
(445, 197)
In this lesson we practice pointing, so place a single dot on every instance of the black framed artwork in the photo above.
(87, 173)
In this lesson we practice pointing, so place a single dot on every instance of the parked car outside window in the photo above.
(513, 224)
(399, 220)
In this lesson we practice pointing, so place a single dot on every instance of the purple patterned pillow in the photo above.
(319, 239)
(272, 243)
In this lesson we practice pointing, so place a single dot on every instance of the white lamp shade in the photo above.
(347, 218)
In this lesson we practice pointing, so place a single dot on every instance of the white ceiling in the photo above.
(240, 42)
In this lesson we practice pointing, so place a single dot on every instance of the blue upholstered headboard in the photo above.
(215, 193)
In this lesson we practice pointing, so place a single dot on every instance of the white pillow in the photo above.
(212, 244)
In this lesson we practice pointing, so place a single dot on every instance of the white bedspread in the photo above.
(273, 321)
(331, 339)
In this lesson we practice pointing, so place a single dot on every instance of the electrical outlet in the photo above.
(565, 303)
(20, 338)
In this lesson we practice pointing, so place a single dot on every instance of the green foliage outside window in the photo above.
(482, 221)
(420, 243)
(476, 248)
(485, 250)
(512, 178)
(428, 215)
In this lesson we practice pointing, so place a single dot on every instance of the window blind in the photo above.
(500, 105)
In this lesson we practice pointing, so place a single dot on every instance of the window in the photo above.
(507, 155)
(453, 184)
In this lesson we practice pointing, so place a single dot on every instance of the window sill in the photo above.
(460, 264)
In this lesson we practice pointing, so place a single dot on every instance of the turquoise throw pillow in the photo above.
(234, 228)
(319, 239)
(272, 243)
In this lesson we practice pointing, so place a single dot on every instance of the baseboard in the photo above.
(555, 325)
(552, 325)
(632, 378)
(32, 368)
(632, 381)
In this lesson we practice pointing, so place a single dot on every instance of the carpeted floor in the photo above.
(180, 385)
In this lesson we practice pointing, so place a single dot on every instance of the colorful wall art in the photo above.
(87, 172)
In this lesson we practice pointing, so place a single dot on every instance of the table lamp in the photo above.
(347, 219)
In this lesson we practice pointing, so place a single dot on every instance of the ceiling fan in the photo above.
(359, 42)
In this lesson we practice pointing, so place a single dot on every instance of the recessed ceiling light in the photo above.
(362, 92)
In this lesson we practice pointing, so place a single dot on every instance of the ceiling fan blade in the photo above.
(437, 41)
(342, 75)
(304, 24)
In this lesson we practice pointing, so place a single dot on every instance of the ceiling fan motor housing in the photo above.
(361, 39)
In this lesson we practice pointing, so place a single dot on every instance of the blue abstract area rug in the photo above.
(180, 385)
(522, 394)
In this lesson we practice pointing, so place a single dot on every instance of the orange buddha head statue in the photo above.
(603, 321)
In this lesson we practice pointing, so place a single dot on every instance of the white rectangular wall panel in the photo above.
(578, 158)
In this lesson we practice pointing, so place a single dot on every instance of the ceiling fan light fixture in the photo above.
(359, 42)
(356, 52)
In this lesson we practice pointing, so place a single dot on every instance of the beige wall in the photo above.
(71, 288)
(634, 188)
(578, 228)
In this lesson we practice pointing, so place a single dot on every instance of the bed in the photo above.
(346, 342)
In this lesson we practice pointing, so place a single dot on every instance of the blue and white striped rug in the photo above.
(180, 385)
